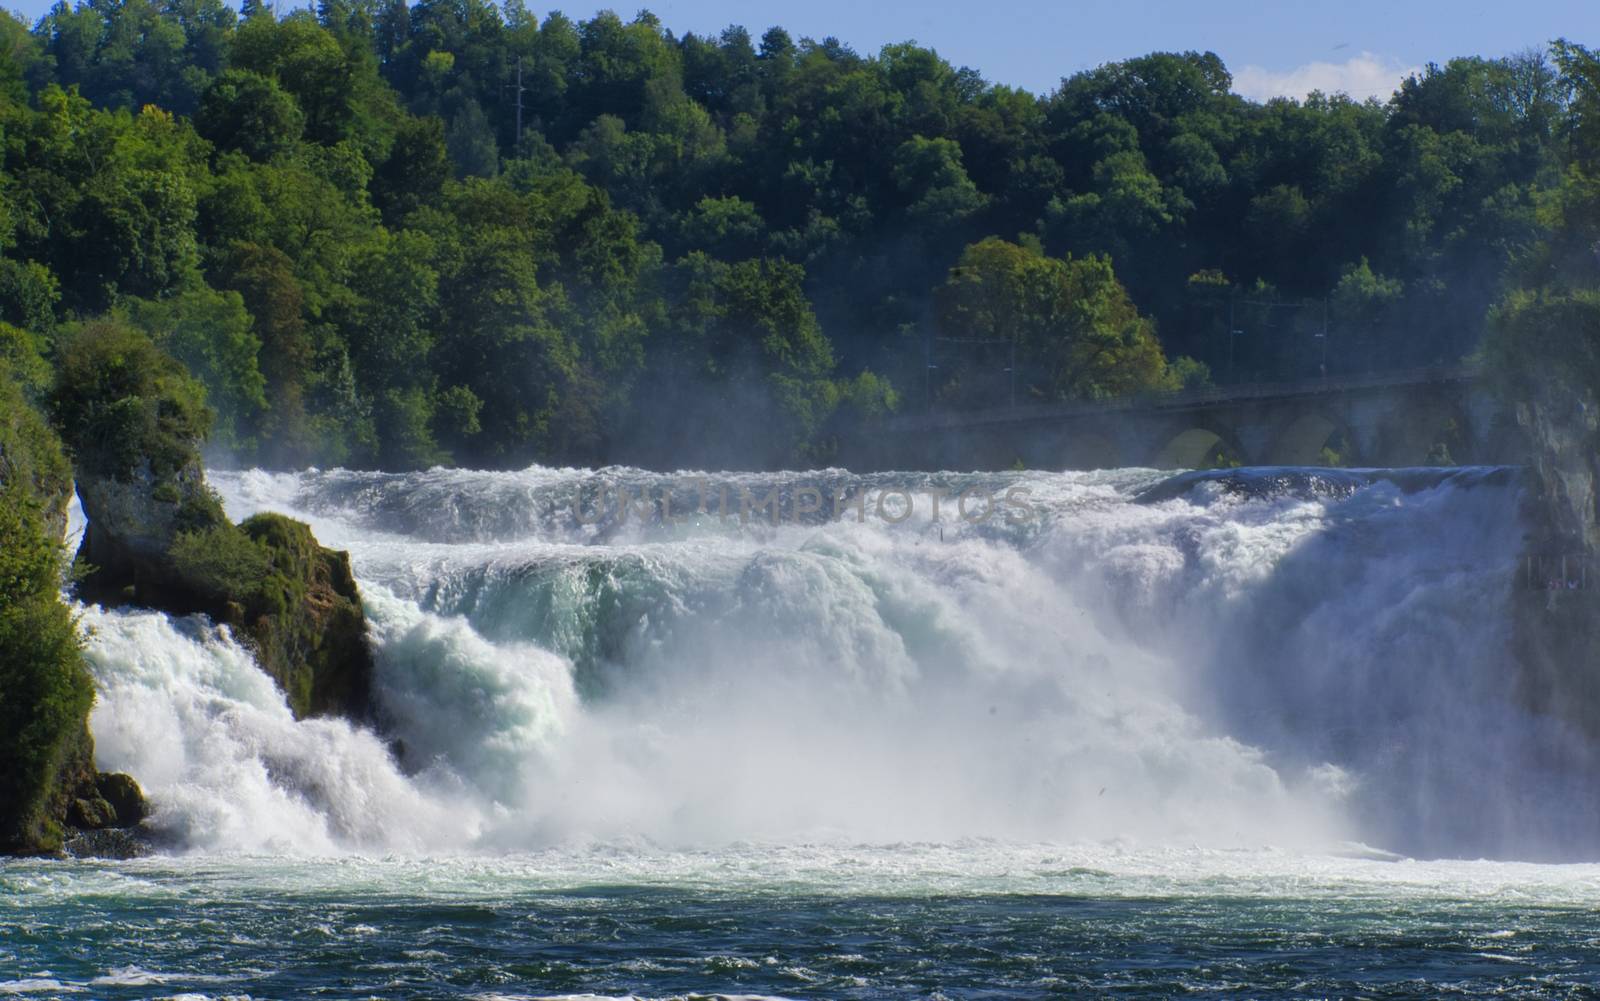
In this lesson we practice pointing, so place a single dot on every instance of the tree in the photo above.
(120, 402)
(45, 689)
(1076, 332)
(724, 227)
(930, 177)
(414, 172)
(263, 278)
(249, 112)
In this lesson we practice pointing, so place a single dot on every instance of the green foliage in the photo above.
(1187, 373)
(110, 200)
(29, 292)
(264, 566)
(250, 113)
(36, 479)
(1546, 337)
(1361, 296)
(21, 359)
(119, 401)
(210, 333)
(930, 177)
(727, 227)
(1076, 333)
(456, 232)
(45, 696)
(222, 563)
(45, 691)
(1544, 340)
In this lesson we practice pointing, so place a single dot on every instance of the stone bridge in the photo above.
(1417, 417)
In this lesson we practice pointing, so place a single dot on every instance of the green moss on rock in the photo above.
(48, 780)
(294, 600)
(158, 536)
(123, 795)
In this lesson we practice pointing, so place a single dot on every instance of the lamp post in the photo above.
(1011, 369)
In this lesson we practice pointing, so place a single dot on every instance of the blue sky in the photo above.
(1360, 46)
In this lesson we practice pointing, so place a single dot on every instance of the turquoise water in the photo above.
(960, 921)
(1136, 745)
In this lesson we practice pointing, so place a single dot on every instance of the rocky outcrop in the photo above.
(1562, 430)
(49, 787)
(88, 800)
(80, 800)
(158, 537)
(164, 543)
(316, 646)
(134, 518)
(306, 622)
(1557, 601)
(74, 799)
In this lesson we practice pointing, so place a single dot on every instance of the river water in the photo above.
(1243, 734)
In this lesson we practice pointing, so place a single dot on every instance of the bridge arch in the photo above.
(1308, 439)
(1199, 446)
(1090, 450)
(1430, 430)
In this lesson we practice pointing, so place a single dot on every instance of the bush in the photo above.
(119, 400)
(45, 696)
(45, 690)
(30, 453)
(19, 352)
(221, 563)
(1544, 338)
(30, 561)
(264, 566)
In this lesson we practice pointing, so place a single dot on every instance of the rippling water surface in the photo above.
(970, 920)
(1163, 737)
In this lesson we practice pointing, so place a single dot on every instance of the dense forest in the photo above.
(392, 236)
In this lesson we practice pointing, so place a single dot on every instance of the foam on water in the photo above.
(1280, 659)
(227, 767)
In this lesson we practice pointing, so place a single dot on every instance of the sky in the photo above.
(1361, 47)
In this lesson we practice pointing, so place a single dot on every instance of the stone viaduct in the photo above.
(1408, 418)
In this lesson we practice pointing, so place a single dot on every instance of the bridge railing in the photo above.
(1182, 399)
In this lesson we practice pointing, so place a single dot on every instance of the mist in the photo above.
(1172, 670)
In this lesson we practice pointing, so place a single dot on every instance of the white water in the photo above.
(1302, 665)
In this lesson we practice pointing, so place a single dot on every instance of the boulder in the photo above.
(126, 800)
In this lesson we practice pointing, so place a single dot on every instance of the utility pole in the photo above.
(1231, 332)
(1013, 370)
(1323, 337)
(517, 141)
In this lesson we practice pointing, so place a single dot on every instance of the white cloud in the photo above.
(1363, 76)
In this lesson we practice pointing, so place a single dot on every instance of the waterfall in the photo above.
(1289, 658)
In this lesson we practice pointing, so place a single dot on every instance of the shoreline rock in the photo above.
(165, 544)
(158, 538)
(1555, 631)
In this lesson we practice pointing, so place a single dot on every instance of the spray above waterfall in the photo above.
(1286, 658)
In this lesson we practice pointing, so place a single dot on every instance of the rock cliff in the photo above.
(157, 536)
(48, 782)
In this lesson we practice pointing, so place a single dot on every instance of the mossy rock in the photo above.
(307, 621)
(46, 756)
(121, 792)
(293, 600)
(91, 813)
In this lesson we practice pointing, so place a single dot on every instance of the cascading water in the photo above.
(1286, 658)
